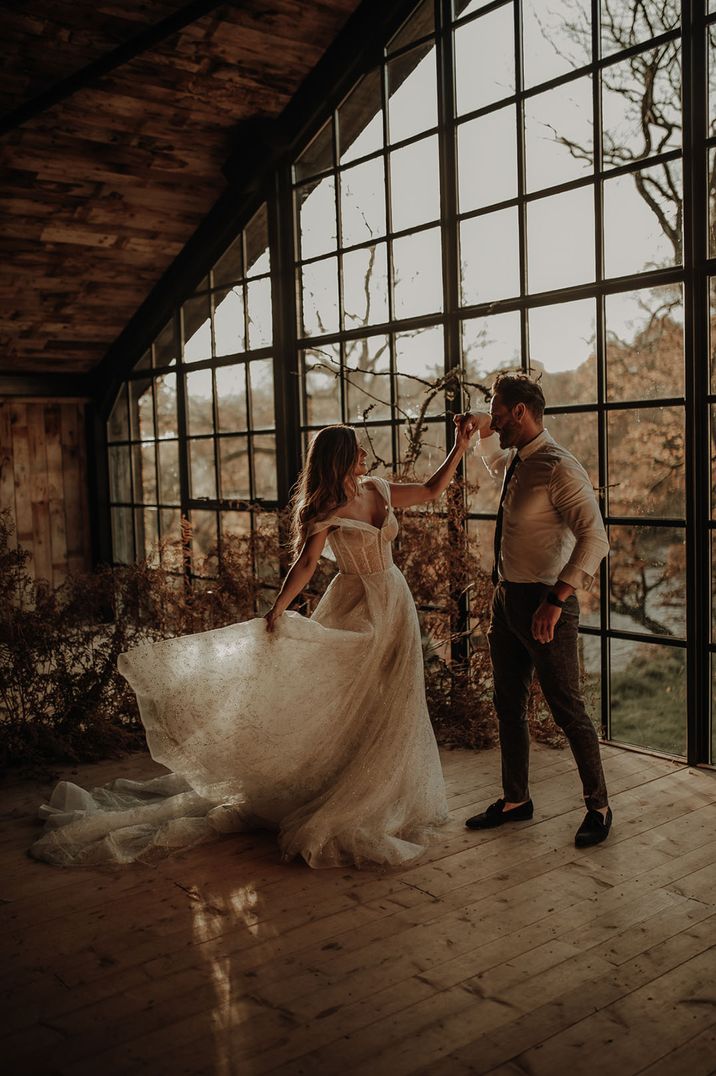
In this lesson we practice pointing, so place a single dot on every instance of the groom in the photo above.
(549, 540)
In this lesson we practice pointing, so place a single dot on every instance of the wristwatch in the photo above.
(554, 600)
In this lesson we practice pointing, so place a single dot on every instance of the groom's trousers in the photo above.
(516, 656)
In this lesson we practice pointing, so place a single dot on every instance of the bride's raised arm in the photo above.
(406, 494)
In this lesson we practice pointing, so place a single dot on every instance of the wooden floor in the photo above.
(506, 952)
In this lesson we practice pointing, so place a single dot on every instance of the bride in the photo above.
(317, 728)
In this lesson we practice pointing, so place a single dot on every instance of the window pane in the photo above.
(487, 159)
(363, 202)
(558, 135)
(419, 360)
(645, 343)
(258, 256)
(199, 402)
(146, 527)
(626, 24)
(378, 443)
(229, 331)
(231, 398)
(171, 548)
(258, 302)
(264, 446)
(234, 462)
(578, 433)
(412, 90)
(365, 286)
(646, 462)
(647, 580)
(145, 474)
(203, 541)
(145, 363)
(322, 386)
(712, 202)
(484, 274)
(642, 220)
(262, 402)
(118, 423)
(235, 523)
(120, 482)
(560, 240)
(648, 695)
(431, 452)
(557, 38)
(196, 321)
(316, 205)
(420, 23)
(563, 351)
(169, 472)
(360, 120)
(319, 294)
(318, 156)
(367, 379)
(122, 535)
(165, 345)
(484, 496)
(413, 203)
(230, 265)
(141, 410)
(712, 78)
(489, 345)
(417, 274)
(641, 106)
(203, 472)
(712, 331)
(485, 60)
(165, 390)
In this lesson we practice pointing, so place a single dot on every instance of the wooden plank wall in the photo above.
(43, 481)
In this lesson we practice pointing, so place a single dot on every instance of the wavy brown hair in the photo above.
(320, 488)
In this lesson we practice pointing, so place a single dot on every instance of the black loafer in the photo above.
(594, 829)
(496, 815)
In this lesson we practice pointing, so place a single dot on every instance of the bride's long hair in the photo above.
(321, 486)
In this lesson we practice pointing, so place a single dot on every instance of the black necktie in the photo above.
(500, 511)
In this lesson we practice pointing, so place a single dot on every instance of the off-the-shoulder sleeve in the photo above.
(382, 486)
(319, 525)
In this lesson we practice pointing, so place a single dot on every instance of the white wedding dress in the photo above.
(319, 731)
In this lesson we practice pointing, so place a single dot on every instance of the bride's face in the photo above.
(361, 464)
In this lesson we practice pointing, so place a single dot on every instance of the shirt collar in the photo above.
(534, 445)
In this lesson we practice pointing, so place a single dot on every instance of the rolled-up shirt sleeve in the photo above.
(572, 495)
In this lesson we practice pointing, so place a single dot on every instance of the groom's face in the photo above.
(504, 422)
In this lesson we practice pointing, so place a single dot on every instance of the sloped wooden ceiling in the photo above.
(101, 189)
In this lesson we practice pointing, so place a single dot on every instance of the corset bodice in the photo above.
(360, 548)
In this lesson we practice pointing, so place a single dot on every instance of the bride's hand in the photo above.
(272, 616)
(465, 429)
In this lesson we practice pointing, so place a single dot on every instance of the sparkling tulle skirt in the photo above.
(319, 732)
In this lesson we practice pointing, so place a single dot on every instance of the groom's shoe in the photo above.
(594, 829)
(496, 815)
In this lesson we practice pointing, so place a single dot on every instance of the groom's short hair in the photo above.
(519, 388)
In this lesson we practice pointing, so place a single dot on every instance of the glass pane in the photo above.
(489, 257)
(317, 157)
(489, 345)
(712, 331)
(430, 452)
(647, 580)
(413, 203)
(560, 240)
(578, 433)
(360, 120)
(712, 78)
(196, 321)
(420, 23)
(122, 536)
(712, 202)
(648, 695)
(557, 37)
(412, 93)
(367, 378)
(171, 549)
(145, 474)
(165, 345)
(365, 286)
(319, 294)
(378, 443)
(165, 390)
(230, 265)
(262, 402)
(485, 60)
(258, 302)
(417, 274)
(118, 423)
(229, 330)
(316, 207)
(626, 24)
(321, 370)
(563, 354)
(258, 256)
(169, 472)
(559, 135)
(199, 402)
(234, 462)
(120, 481)
(641, 106)
(203, 472)
(264, 446)
(203, 541)
(487, 159)
(141, 410)
(463, 8)
(646, 462)
(419, 362)
(483, 496)
(231, 398)
(363, 202)
(146, 527)
(645, 343)
(235, 523)
(145, 363)
(642, 220)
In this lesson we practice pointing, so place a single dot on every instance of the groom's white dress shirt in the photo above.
(551, 527)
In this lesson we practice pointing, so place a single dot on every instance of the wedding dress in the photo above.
(319, 730)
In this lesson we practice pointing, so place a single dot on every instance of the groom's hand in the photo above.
(544, 622)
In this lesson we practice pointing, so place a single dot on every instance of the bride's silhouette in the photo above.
(317, 727)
